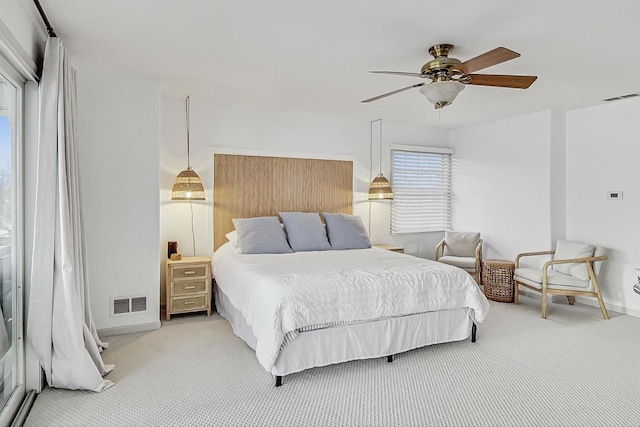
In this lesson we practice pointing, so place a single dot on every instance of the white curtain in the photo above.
(59, 322)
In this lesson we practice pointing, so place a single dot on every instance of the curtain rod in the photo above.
(50, 30)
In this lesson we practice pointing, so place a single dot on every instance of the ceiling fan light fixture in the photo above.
(442, 93)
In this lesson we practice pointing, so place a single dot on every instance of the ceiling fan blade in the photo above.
(375, 98)
(398, 73)
(517, 82)
(487, 59)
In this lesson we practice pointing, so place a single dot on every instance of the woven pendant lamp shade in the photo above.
(187, 186)
(380, 189)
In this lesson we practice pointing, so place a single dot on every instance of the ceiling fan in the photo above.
(449, 76)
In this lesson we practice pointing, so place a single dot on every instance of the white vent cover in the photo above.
(128, 305)
(138, 304)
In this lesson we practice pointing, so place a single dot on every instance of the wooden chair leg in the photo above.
(571, 299)
(515, 292)
(544, 303)
(596, 288)
(602, 307)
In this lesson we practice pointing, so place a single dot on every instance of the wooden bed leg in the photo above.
(278, 379)
(390, 358)
(474, 328)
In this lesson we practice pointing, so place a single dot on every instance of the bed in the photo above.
(308, 309)
(300, 310)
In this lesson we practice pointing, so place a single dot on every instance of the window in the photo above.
(421, 183)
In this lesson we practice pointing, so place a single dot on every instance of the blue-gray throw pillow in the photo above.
(305, 231)
(261, 235)
(346, 231)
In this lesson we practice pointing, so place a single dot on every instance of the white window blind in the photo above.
(422, 192)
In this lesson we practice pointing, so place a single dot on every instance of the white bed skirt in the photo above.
(366, 340)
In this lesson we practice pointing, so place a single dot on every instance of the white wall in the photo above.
(558, 177)
(118, 153)
(602, 156)
(20, 19)
(251, 131)
(501, 184)
(531, 180)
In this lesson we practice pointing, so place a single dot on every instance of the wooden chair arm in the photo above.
(588, 261)
(439, 249)
(525, 254)
(479, 255)
(574, 260)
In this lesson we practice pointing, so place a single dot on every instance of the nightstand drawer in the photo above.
(188, 272)
(188, 304)
(189, 287)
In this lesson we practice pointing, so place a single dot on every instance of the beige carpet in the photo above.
(573, 369)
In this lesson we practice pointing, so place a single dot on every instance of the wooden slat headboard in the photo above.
(249, 186)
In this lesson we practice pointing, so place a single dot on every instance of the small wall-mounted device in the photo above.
(614, 195)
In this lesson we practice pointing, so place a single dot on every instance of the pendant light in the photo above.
(187, 185)
(380, 188)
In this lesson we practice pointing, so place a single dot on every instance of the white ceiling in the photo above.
(316, 55)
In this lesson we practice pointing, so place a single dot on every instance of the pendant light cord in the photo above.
(193, 231)
(371, 161)
(371, 148)
(380, 138)
(370, 168)
(188, 132)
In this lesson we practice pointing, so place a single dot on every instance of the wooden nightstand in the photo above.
(188, 285)
(391, 248)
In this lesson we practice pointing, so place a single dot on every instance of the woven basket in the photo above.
(497, 279)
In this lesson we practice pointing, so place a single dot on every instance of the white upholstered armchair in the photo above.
(462, 249)
(572, 271)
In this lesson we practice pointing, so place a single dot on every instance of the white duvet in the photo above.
(280, 293)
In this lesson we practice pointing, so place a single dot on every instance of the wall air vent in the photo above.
(128, 305)
(138, 304)
(618, 98)
(121, 306)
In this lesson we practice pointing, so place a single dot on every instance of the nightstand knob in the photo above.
(189, 302)
(189, 272)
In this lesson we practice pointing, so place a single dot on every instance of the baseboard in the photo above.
(610, 307)
(129, 329)
(592, 302)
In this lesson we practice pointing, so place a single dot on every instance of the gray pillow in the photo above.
(305, 231)
(346, 231)
(261, 235)
(460, 243)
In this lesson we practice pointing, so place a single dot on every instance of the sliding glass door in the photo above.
(11, 240)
